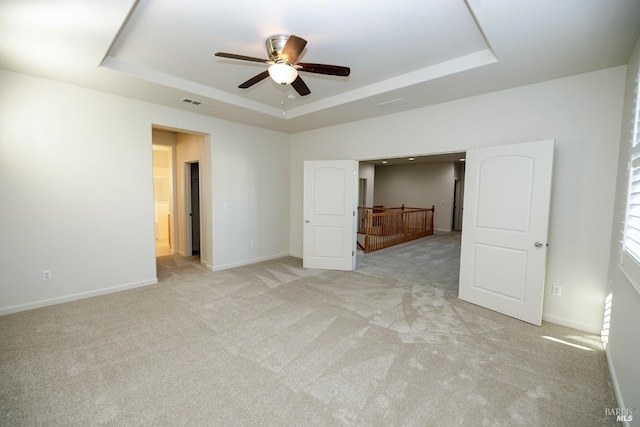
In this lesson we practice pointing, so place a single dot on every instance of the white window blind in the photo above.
(631, 253)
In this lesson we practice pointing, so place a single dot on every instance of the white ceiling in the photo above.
(413, 52)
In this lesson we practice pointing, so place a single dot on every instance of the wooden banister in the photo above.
(384, 227)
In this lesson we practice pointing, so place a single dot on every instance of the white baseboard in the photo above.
(592, 329)
(206, 265)
(74, 297)
(616, 385)
(247, 262)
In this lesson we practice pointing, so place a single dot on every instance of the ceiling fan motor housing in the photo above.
(275, 45)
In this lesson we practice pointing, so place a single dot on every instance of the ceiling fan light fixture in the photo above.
(284, 51)
(282, 73)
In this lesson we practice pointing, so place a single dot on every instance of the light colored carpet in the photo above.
(276, 344)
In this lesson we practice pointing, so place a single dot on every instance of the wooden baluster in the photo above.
(367, 230)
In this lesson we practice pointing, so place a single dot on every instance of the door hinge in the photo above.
(354, 213)
(353, 253)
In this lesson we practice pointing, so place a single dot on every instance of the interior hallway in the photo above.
(163, 248)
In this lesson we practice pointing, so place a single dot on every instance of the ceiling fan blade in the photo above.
(241, 57)
(300, 86)
(255, 79)
(332, 70)
(293, 48)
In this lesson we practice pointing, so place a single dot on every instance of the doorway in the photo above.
(419, 181)
(193, 171)
(457, 206)
(162, 198)
(189, 192)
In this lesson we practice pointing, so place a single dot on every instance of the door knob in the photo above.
(539, 244)
(307, 221)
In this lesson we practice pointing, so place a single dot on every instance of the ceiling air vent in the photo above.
(191, 101)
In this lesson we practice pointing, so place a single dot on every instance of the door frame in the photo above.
(461, 151)
(185, 144)
(188, 228)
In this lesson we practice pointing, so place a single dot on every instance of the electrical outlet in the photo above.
(556, 290)
(46, 274)
(253, 244)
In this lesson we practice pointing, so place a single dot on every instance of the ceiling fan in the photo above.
(283, 51)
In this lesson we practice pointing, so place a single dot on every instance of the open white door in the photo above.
(330, 203)
(504, 232)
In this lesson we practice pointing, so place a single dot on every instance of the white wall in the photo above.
(251, 195)
(59, 145)
(623, 347)
(418, 186)
(368, 171)
(59, 148)
(582, 113)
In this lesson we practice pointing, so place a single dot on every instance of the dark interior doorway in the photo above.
(456, 221)
(195, 208)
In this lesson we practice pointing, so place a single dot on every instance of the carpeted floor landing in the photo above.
(276, 344)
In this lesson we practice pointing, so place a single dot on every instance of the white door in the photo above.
(329, 238)
(505, 223)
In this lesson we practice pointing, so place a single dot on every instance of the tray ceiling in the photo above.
(403, 55)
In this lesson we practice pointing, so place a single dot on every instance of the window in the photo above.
(631, 254)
